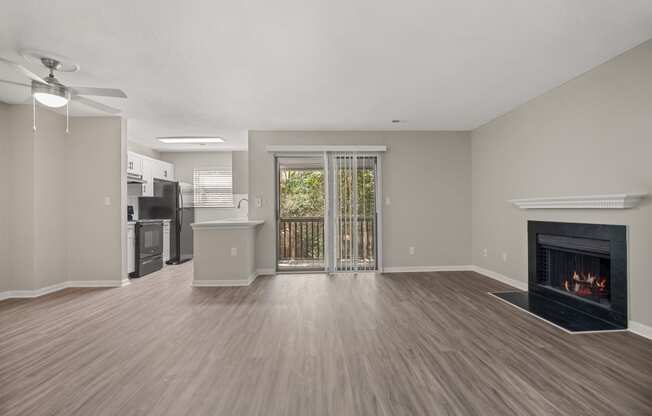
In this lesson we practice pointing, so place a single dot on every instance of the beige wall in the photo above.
(186, 162)
(426, 175)
(59, 228)
(592, 135)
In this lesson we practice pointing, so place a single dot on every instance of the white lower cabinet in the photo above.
(131, 248)
(166, 241)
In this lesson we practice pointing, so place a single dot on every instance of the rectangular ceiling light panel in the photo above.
(190, 140)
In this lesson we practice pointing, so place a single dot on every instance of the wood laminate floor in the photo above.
(399, 344)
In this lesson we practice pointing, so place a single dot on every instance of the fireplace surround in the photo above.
(577, 275)
(581, 265)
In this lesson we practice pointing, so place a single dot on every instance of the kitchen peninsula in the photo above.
(224, 252)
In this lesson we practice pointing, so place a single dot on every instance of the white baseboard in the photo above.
(24, 294)
(501, 278)
(224, 283)
(415, 269)
(19, 294)
(640, 329)
(233, 282)
(94, 283)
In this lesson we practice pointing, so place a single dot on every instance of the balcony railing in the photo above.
(301, 243)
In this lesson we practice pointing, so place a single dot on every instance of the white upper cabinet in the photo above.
(148, 177)
(134, 163)
(150, 169)
(171, 172)
(163, 170)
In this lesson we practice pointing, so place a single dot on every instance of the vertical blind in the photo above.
(213, 188)
(354, 211)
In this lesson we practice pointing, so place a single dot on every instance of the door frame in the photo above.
(277, 213)
(325, 151)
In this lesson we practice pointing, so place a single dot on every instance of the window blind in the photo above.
(213, 188)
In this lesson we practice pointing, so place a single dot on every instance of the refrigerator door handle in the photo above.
(180, 196)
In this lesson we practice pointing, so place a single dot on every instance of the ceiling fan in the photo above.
(50, 92)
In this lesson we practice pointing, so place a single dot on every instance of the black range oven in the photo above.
(149, 247)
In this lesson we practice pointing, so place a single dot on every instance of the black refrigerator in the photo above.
(172, 200)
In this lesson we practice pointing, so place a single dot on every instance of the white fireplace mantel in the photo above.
(614, 201)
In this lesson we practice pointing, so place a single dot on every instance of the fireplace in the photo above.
(583, 266)
(577, 276)
(575, 266)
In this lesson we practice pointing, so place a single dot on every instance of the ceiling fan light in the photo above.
(50, 100)
(52, 94)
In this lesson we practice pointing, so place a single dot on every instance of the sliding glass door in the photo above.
(327, 212)
(300, 213)
(353, 218)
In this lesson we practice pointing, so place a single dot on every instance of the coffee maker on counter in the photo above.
(130, 212)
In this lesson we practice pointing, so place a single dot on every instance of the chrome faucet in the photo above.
(240, 202)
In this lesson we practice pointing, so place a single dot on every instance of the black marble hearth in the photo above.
(577, 275)
(557, 313)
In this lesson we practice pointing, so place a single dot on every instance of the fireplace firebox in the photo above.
(577, 275)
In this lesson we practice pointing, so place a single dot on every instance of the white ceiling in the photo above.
(223, 67)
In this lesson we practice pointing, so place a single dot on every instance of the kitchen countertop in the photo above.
(148, 220)
(228, 223)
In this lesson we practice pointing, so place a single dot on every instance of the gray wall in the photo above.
(240, 166)
(143, 150)
(186, 162)
(426, 175)
(59, 228)
(589, 136)
(5, 199)
(21, 205)
(49, 194)
(95, 149)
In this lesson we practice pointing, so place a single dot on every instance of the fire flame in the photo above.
(566, 286)
(585, 285)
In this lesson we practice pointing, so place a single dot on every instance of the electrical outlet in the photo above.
(484, 253)
(234, 251)
(504, 256)
(259, 202)
(411, 250)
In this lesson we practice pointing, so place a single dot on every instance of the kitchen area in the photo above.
(159, 213)
(162, 205)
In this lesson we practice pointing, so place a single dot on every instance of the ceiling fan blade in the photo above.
(94, 104)
(24, 70)
(99, 92)
(14, 83)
